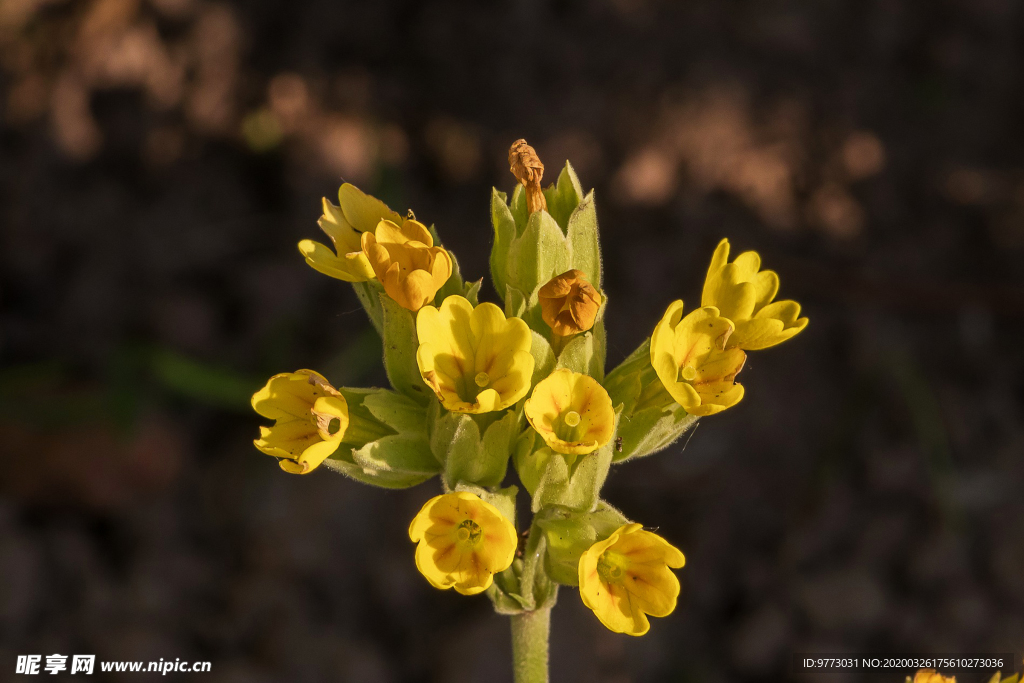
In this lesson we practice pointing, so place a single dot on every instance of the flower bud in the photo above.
(569, 303)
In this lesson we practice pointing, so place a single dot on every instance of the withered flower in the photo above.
(569, 303)
(526, 166)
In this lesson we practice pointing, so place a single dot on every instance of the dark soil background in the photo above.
(159, 161)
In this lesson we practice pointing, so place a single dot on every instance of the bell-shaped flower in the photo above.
(744, 294)
(572, 412)
(356, 213)
(569, 303)
(474, 359)
(310, 420)
(628, 576)
(692, 360)
(406, 262)
(462, 542)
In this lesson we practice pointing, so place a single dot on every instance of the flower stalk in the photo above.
(530, 635)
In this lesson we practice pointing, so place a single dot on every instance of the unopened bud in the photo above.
(569, 303)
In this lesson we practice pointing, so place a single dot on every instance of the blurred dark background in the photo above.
(160, 159)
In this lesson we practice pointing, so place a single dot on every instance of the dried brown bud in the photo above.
(569, 303)
(526, 166)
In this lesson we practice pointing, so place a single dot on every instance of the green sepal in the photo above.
(364, 425)
(530, 462)
(343, 462)
(385, 443)
(369, 294)
(503, 499)
(397, 411)
(584, 240)
(543, 358)
(651, 419)
(400, 344)
(515, 302)
(472, 293)
(570, 533)
(503, 592)
(504, 232)
(564, 196)
(520, 212)
(653, 429)
(398, 454)
(574, 481)
(581, 354)
(468, 457)
(538, 255)
(624, 384)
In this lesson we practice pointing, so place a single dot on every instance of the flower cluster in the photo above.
(475, 386)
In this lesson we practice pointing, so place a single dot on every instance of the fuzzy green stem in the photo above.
(530, 645)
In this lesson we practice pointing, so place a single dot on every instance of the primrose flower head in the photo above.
(463, 541)
(474, 359)
(572, 412)
(743, 293)
(691, 359)
(569, 303)
(931, 676)
(310, 420)
(405, 260)
(627, 576)
(356, 213)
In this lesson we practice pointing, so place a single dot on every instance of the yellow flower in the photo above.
(569, 303)
(743, 293)
(997, 677)
(356, 213)
(406, 262)
(930, 676)
(463, 541)
(692, 361)
(474, 359)
(572, 412)
(626, 577)
(310, 419)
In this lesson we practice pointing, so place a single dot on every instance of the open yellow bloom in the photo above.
(463, 541)
(310, 419)
(356, 213)
(406, 262)
(692, 361)
(569, 303)
(474, 359)
(627, 576)
(743, 293)
(572, 412)
(930, 676)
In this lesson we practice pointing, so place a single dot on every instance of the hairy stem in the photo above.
(530, 645)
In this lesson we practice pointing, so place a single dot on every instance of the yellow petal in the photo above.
(773, 324)
(448, 561)
(290, 394)
(362, 211)
(747, 264)
(343, 236)
(351, 268)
